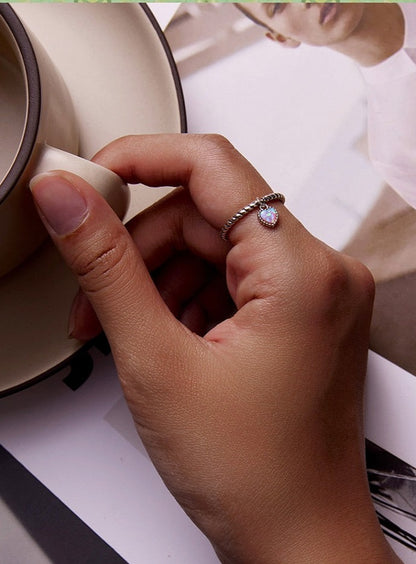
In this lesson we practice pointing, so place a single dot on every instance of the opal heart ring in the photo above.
(267, 215)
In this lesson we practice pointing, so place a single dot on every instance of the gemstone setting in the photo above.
(268, 216)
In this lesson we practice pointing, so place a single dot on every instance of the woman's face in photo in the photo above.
(321, 24)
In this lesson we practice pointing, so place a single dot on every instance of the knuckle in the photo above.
(345, 287)
(216, 141)
(104, 262)
(218, 146)
(362, 281)
(335, 276)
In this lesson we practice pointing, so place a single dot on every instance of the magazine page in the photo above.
(305, 116)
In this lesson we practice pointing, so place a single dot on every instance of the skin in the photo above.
(242, 362)
(368, 33)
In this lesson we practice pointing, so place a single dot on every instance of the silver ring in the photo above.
(267, 215)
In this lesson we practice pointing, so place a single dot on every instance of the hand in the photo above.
(253, 418)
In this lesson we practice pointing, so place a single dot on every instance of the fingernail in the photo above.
(72, 317)
(62, 206)
(83, 323)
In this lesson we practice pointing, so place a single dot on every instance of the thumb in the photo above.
(110, 271)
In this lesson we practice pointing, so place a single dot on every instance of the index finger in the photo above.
(221, 181)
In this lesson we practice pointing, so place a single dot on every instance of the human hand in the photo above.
(254, 418)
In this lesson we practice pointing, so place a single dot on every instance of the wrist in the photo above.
(331, 527)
